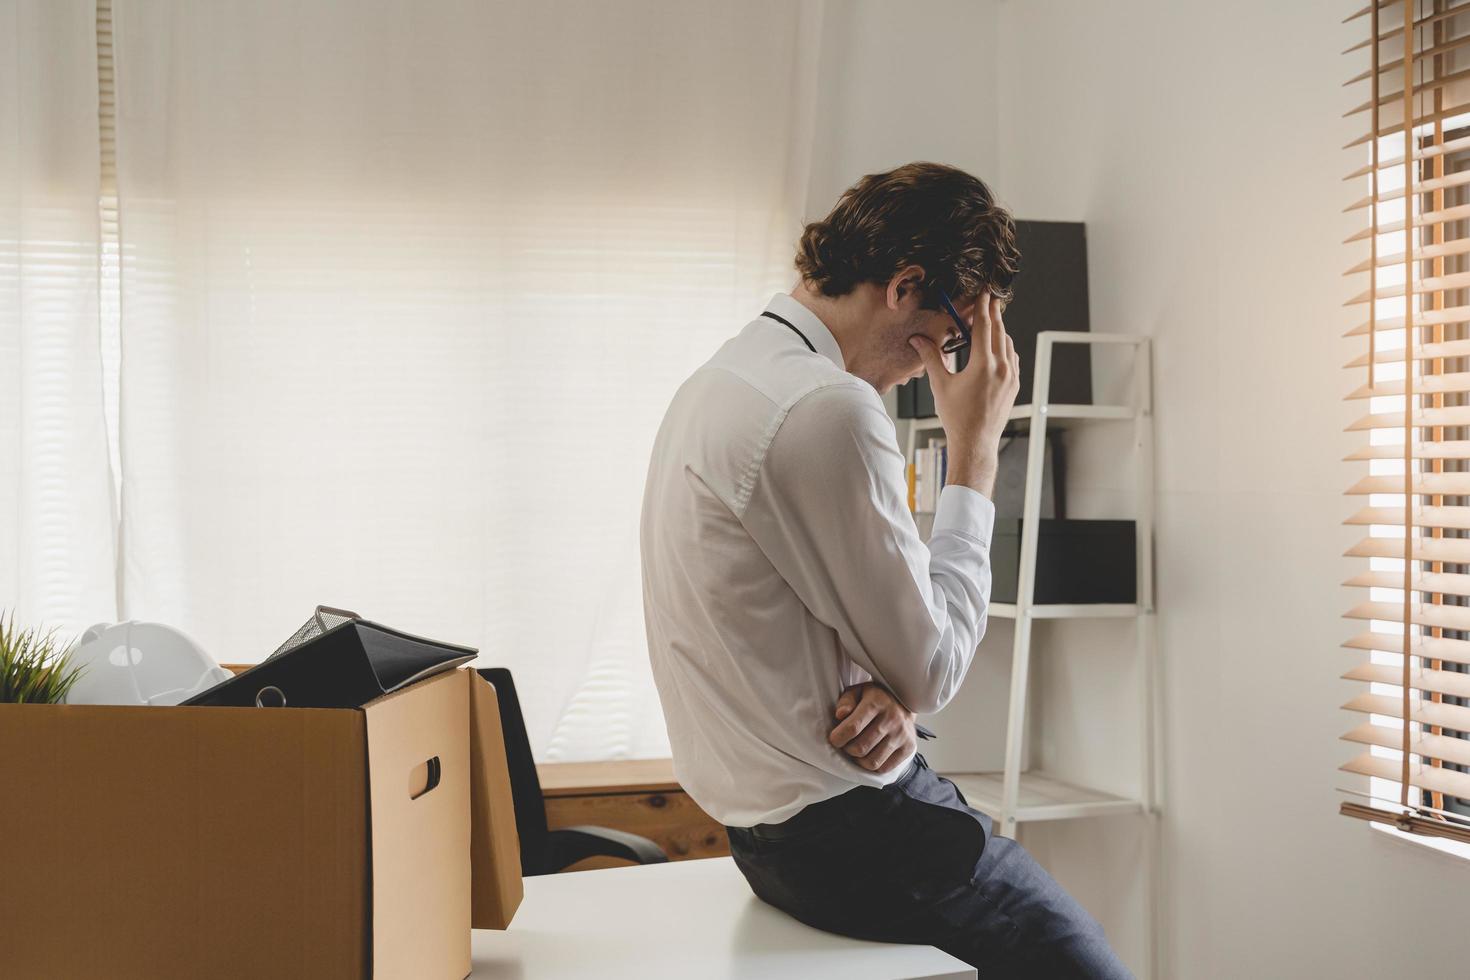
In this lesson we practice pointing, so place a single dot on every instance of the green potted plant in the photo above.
(35, 667)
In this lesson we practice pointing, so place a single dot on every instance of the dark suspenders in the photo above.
(782, 319)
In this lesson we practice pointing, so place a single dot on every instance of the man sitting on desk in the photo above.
(786, 588)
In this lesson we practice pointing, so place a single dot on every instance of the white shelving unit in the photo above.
(1013, 796)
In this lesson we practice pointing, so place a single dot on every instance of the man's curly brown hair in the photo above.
(925, 214)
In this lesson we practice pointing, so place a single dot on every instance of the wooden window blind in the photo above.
(1413, 378)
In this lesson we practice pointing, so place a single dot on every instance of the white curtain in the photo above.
(405, 291)
(56, 494)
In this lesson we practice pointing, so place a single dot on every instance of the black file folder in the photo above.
(345, 667)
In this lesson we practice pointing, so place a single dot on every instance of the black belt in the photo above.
(782, 319)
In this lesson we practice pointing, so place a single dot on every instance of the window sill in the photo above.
(1441, 844)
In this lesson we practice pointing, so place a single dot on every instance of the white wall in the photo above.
(903, 82)
(1201, 143)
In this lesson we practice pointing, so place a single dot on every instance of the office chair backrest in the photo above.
(525, 786)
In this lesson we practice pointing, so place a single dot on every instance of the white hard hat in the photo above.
(140, 663)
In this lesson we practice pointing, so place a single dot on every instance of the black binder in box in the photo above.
(345, 667)
(1077, 561)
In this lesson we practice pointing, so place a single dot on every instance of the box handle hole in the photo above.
(424, 777)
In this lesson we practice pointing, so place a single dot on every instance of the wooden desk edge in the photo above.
(607, 778)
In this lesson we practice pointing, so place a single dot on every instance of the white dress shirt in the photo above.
(781, 565)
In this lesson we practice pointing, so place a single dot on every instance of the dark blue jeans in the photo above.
(911, 863)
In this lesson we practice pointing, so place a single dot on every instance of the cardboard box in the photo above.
(246, 842)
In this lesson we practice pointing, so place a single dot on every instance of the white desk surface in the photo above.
(683, 919)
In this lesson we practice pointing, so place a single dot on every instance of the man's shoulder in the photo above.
(841, 409)
(784, 374)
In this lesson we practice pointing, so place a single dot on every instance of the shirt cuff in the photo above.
(965, 510)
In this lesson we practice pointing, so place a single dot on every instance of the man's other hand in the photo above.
(873, 728)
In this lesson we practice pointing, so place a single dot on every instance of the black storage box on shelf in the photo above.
(1050, 294)
(1078, 562)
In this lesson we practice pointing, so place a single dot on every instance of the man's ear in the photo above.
(905, 289)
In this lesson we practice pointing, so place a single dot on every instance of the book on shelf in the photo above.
(927, 472)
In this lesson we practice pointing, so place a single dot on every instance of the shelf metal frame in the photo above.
(1026, 610)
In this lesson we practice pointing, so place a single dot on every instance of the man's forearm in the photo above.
(974, 469)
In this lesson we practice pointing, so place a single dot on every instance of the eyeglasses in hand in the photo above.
(963, 340)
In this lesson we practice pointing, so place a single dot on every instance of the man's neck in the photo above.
(840, 318)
